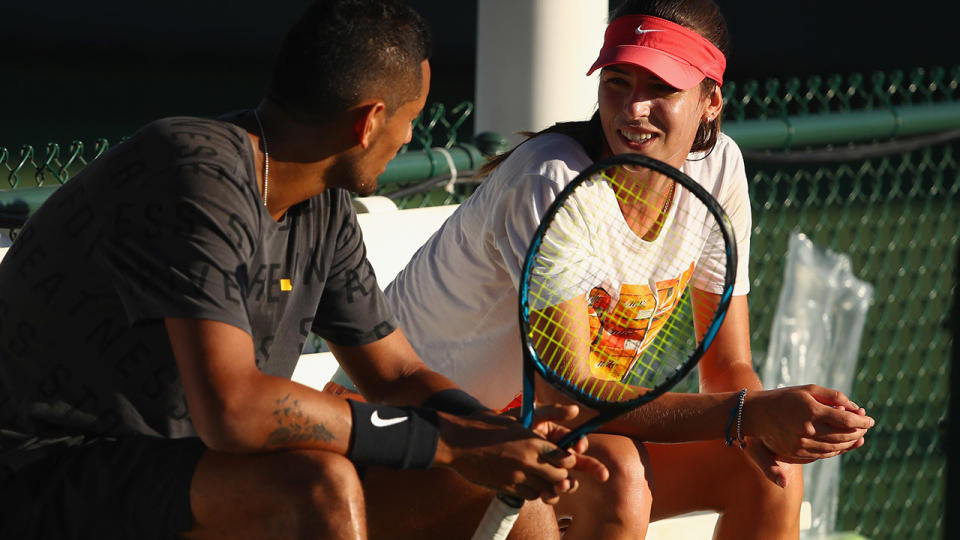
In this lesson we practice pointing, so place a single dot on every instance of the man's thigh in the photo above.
(135, 487)
(283, 494)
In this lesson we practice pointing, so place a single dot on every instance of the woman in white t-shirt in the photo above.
(659, 95)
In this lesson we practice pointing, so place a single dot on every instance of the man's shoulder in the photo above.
(170, 158)
(191, 145)
(194, 131)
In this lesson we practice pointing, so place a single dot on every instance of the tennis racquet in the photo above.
(624, 286)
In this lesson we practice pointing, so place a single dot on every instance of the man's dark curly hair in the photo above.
(341, 52)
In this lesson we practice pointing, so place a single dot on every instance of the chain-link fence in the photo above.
(897, 217)
(31, 167)
(793, 96)
(438, 126)
(892, 206)
(436, 132)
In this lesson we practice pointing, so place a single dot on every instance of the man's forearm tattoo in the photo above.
(294, 426)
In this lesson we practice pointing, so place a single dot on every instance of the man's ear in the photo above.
(369, 119)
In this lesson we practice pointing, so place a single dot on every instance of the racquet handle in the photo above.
(499, 518)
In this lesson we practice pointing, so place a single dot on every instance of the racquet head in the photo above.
(624, 285)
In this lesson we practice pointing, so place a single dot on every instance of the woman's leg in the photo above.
(711, 476)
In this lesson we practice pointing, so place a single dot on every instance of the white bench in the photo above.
(4, 243)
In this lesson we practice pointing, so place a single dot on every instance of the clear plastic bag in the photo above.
(815, 338)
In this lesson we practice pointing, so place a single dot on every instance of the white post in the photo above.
(532, 60)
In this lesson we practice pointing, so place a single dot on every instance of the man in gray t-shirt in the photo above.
(153, 310)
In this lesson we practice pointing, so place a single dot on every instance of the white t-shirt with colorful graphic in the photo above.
(457, 299)
(630, 277)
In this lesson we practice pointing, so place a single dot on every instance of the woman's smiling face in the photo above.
(642, 114)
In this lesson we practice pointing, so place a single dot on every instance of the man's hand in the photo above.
(545, 424)
(496, 452)
(800, 424)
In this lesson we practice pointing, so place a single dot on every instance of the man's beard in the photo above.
(366, 188)
(352, 177)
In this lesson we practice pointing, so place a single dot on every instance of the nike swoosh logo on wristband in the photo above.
(385, 422)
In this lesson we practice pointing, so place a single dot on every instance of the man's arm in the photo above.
(389, 371)
(237, 408)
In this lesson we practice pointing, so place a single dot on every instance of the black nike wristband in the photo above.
(395, 437)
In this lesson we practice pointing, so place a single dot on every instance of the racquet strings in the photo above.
(609, 295)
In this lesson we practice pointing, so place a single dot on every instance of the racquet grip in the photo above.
(499, 518)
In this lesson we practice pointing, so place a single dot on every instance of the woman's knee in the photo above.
(625, 457)
(792, 495)
(619, 507)
(630, 479)
(763, 493)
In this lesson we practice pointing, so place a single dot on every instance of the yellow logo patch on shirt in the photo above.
(286, 285)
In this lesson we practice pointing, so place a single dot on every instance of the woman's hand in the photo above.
(799, 424)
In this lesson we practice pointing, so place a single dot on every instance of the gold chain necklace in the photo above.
(666, 203)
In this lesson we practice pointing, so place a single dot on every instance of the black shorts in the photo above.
(130, 488)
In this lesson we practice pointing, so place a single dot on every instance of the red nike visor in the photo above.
(676, 54)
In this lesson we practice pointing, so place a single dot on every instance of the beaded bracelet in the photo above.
(736, 412)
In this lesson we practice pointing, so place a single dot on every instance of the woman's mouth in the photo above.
(636, 138)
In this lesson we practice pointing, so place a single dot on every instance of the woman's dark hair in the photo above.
(701, 16)
(343, 51)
